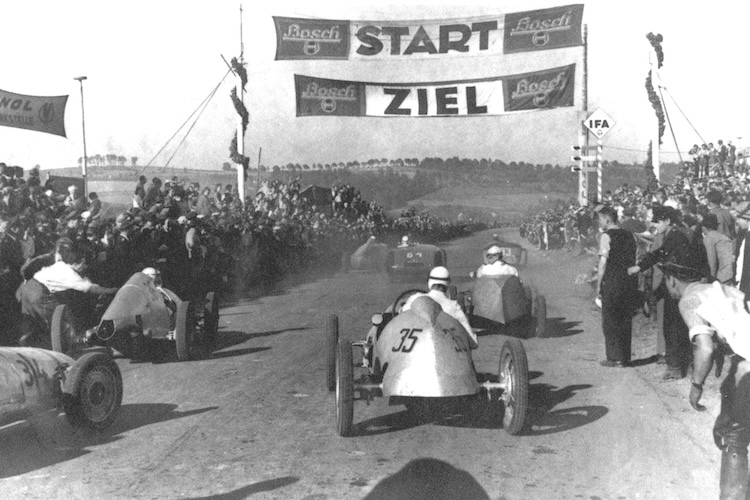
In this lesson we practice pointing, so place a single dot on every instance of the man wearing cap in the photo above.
(615, 288)
(717, 314)
(494, 264)
(683, 247)
(438, 283)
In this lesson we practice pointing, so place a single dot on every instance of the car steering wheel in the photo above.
(402, 296)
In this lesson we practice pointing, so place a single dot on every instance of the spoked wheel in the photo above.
(514, 376)
(63, 331)
(332, 340)
(93, 391)
(184, 333)
(344, 388)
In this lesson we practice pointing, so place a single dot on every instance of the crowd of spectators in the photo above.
(200, 238)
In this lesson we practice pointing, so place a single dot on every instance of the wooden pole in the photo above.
(240, 132)
(583, 177)
(260, 151)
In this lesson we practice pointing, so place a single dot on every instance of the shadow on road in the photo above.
(428, 479)
(53, 440)
(544, 420)
(558, 327)
(251, 489)
(238, 352)
(392, 422)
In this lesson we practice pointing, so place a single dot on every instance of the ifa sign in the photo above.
(599, 123)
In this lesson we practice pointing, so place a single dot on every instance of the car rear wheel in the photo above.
(92, 394)
(63, 331)
(514, 376)
(184, 333)
(332, 340)
(344, 388)
(540, 316)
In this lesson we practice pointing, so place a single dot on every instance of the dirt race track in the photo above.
(256, 420)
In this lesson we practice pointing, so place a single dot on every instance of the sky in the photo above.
(150, 64)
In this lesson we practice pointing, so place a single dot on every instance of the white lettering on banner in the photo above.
(427, 39)
(528, 25)
(524, 88)
(314, 91)
(450, 99)
(297, 34)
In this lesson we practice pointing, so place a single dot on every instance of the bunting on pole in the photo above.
(547, 89)
(552, 28)
(38, 113)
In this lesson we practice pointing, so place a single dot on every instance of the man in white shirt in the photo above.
(438, 284)
(718, 314)
(494, 264)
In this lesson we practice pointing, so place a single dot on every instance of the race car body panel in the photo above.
(424, 352)
(29, 381)
(140, 300)
(499, 298)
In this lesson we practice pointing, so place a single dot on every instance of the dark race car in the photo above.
(422, 358)
(140, 313)
(414, 262)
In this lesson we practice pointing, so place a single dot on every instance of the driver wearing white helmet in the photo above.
(438, 284)
(494, 264)
(404, 242)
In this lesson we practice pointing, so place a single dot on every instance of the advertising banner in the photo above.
(298, 38)
(42, 114)
(546, 89)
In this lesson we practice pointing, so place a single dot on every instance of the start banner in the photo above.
(553, 28)
(42, 114)
(552, 88)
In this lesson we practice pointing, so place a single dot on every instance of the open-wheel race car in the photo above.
(421, 357)
(36, 381)
(503, 304)
(140, 313)
(413, 262)
(513, 253)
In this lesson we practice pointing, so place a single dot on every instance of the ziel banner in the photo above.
(546, 89)
(42, 114)
(298, 38)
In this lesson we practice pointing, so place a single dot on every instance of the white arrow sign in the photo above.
(599, 123)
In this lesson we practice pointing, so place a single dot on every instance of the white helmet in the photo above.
(439, 276)
(494, 250)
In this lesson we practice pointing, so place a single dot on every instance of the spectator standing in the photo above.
(724, 216)
(140, 192)
(719, 251)
(731, 157)
(95, 206)
(617, 289)
(679, 245)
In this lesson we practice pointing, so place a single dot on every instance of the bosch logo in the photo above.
(540, 38)
(328, 105)
(46, 113)
(311, 48)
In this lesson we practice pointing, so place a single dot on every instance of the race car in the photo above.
(36, 381)
(503, 304)
(139, 313)
(421, 357)
(413, 262)
(513, 253)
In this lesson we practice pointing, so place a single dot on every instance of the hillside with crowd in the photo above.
(199, 237)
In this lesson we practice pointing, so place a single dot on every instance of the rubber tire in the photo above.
(61, 329)
(513, 363)
(211, 320)
(344, 388)
(540, 317)
(184, 332)
(94, 370)
(332, 340)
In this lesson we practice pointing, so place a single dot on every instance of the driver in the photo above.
(404, 242)
(494, 264)
(438, 284)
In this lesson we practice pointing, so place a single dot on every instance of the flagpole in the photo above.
(83, 125)
(240, 132)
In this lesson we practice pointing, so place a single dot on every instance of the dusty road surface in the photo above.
(256, 421)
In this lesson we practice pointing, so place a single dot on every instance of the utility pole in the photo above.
(257, 183)
(84, 164)
(655, 81)
(583, 140)
(240, 131)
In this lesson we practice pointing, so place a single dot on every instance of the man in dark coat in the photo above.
(617, 289)
(680, 246)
